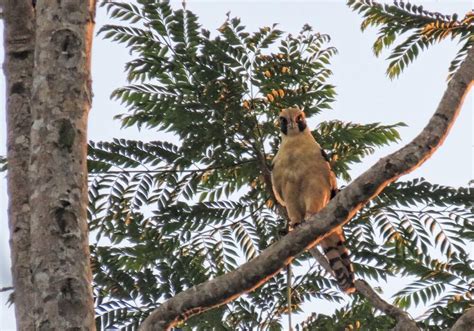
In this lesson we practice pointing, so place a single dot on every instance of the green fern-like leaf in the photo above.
(422, 28)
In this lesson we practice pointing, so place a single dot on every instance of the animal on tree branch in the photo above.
(338, 212)
(304, 183)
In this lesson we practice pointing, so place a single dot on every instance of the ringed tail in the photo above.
(338, 257)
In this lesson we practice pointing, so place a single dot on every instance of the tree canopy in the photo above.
(168, 216)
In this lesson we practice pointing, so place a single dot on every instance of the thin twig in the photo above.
(97, 173)
(323, 262)
(7, 288)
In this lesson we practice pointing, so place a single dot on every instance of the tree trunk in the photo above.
(61, 99)
(18, 69)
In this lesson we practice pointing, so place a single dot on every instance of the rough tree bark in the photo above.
(338, 212)
(18, 69)
(404, 321)
(61, 99)
(465, 322)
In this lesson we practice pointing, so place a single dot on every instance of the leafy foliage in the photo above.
(351, 142)
(359, 315)
(167, 216)
(421, 28)
(417, 230)
(3, 163)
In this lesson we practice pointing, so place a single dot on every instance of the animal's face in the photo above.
(292, 121)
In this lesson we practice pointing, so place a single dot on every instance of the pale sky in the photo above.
(365, 94)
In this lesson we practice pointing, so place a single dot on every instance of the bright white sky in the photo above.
(365, 94)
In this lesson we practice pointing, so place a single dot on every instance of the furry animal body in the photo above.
(303, 183)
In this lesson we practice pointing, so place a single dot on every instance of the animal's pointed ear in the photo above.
(302, 109)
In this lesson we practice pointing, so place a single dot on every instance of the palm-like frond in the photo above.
(422, 29)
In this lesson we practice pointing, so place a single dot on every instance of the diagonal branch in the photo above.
(404, 321)
(465, 322)
(339, 211)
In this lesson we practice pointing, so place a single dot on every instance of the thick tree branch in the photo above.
(338, 212)
(465, 322)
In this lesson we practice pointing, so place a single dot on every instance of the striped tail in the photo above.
(338, 257)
